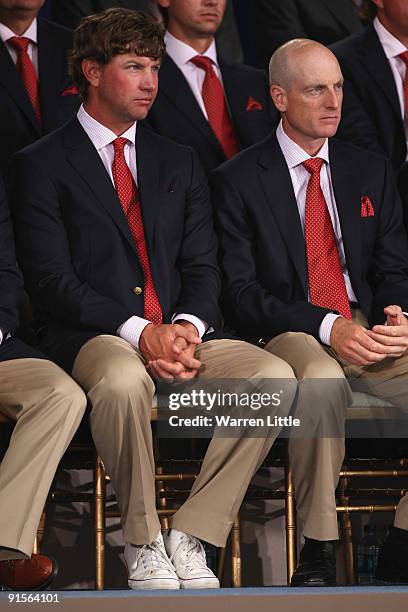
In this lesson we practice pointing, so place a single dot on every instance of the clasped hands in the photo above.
(364, 347)
(169, 351)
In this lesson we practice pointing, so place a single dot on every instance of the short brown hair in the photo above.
(114, 32)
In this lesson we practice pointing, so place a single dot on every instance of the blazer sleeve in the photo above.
(44, 253)
(248, 305)
(11, 283)
(388, 274)
(197, 261)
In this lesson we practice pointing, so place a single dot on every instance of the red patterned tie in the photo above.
(216, 107)
(27, 72)
(326, 281)
(404, 57)
(129, 198)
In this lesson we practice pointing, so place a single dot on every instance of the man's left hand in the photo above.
(395, 333)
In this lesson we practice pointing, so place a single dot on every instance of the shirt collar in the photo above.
(181, 53)
(99, 134)
(295, 155)
(391, 45)
(31, 32)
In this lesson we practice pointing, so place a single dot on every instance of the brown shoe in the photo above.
(28, 574)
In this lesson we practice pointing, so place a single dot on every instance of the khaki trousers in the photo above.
(316, 462)
(48, 407)
(120, 390)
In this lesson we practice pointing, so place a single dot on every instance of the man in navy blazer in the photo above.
(47, 406)
(286, 207)
(48, 49)
(179, 111)
(374, 72)
(115, 238)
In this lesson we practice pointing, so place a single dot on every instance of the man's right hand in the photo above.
(352, 342)
(160, 345)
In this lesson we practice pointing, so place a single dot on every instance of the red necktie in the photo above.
(326, 281)
(216, 107)
(27, 72)
(404, 57)
(129, 198)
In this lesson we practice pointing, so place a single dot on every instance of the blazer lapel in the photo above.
(85, 160)
(51, 68)
(373, 56)
(175, 87)
(348, 196)
(235, 94)
(277, 185)
(11, 80)
(148, 183)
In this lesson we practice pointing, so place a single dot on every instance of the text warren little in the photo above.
(229, 421)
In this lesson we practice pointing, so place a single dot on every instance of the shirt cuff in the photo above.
(132, 329)
(326, 327)
(201, 326)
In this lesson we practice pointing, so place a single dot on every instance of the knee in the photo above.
(123, 380)
(66, 393)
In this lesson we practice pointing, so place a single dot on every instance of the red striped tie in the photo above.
(27, 72)
(129, 198)
(216, 107)
(326, 281)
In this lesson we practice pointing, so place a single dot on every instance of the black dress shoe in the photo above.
(392, 559)
(317, 565)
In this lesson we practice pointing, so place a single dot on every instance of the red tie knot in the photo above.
(119, 144)
(203, 62)
(313, 165)
(20, 43)
(404, 57)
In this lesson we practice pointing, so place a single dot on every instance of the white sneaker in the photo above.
(187, 555)
(149, 566)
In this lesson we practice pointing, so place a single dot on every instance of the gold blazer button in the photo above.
(137, 290)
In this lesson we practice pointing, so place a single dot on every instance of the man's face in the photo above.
(124, 90)
(311, 102)
(20, 6)
(195, 17)
(393, 14)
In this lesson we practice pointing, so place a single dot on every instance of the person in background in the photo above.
(36, 93)
(217, 107)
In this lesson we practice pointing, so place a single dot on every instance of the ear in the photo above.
(279, 97)
(91, 71)
(378, 3)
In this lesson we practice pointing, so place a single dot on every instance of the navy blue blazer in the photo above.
(11, 287)
(371, 116)
(18, 124)
(75, 247)
(262, 247)
(177, 115)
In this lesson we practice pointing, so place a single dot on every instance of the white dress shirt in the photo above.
(392, 49)
(32, 49)
(181, 54)
(102, 138)
(295, 156)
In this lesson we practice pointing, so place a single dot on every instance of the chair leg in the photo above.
(100, 525)
(346, 533)
(236, 573)
(161, 501)
(290, 523)
(40, 532)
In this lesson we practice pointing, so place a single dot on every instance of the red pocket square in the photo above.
(72, 90)
(253, 104)
(367, 209)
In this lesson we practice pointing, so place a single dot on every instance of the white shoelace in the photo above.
(154, 556)
(191, 552)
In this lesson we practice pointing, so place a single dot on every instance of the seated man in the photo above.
(115, 237)
(315, 258)
(216, 107)
(36, 95)
(47, 406)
